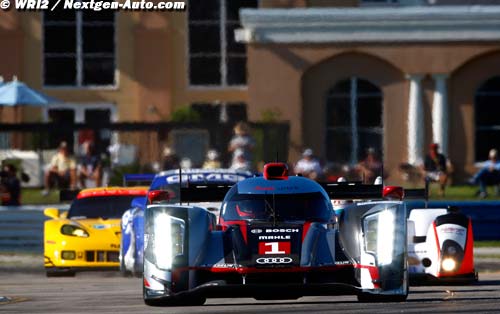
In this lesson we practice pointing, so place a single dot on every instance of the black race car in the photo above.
(278, 237)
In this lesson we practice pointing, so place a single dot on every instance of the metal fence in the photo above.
(21, 230)
(141, 144)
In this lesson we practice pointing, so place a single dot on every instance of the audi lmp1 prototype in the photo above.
(132, 224)
(440, 246)
(278, 238)
(87, 237)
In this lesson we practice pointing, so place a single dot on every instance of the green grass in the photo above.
(486, 243)
(461, 193)
(33, 196)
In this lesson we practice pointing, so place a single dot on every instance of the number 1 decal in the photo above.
(274, 248)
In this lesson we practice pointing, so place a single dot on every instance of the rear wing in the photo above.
(138, 179)
(418, 194)
(352, 190)
(196, 193)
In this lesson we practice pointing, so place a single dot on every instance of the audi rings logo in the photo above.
(256, 231)
(274, 260)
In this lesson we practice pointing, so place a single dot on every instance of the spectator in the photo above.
(242, 141)
(240, 162)
(90, 167)
(10, 186)
(489, 174)
(62, 169)
(435, 167)
(170, 159)
(308, 166)
(212, 161)
(370, 167)
(186, 163)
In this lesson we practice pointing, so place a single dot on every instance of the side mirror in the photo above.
(158, 196)
(393, 192)
(51, 212)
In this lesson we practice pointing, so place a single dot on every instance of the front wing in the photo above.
(365, 253)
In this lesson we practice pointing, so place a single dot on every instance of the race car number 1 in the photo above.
(268, 248)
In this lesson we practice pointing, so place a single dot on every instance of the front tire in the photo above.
(60, 273)
(371, 298)
(184, 300)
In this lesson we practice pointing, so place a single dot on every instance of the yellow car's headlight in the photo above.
(75, 231)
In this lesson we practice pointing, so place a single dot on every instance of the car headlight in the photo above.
(169, 235)
(379, 232)
(74, 231)
(448, 264)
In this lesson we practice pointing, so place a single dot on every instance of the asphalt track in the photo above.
(107, 292)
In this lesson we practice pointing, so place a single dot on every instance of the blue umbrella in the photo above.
(17, 93)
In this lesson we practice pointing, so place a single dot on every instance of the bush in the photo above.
(185, 114)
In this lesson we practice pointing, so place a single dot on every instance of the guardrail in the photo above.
(21, 228)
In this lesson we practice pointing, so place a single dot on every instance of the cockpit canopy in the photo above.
(309, 206)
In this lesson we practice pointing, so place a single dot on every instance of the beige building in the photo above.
(395, 75)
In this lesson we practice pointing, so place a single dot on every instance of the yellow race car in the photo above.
(87, 236)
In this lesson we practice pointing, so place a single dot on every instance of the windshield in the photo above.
(304, 206)
(100, 206)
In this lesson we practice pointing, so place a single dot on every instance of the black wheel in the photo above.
(60, 273)
(184, 300)
(369, 298)
(123, 271)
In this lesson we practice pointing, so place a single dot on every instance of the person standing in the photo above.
(242, 141)
(308, 166)
(240, 163)
(170, 159)
(435, 167)
(90, 167)
(10, 186)
(370, 167)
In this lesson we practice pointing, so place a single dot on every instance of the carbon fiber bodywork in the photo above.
(362, 252)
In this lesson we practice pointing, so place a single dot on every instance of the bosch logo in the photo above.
(256, 231)
(274, 260)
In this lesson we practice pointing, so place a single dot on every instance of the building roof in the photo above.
(369, 24)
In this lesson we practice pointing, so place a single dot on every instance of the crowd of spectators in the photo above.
(85, 169)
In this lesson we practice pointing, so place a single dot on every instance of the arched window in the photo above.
(487, 111)
(354, 120)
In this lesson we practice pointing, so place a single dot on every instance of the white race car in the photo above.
(440, 246)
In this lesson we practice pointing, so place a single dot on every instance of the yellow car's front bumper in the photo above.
(100, 250)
